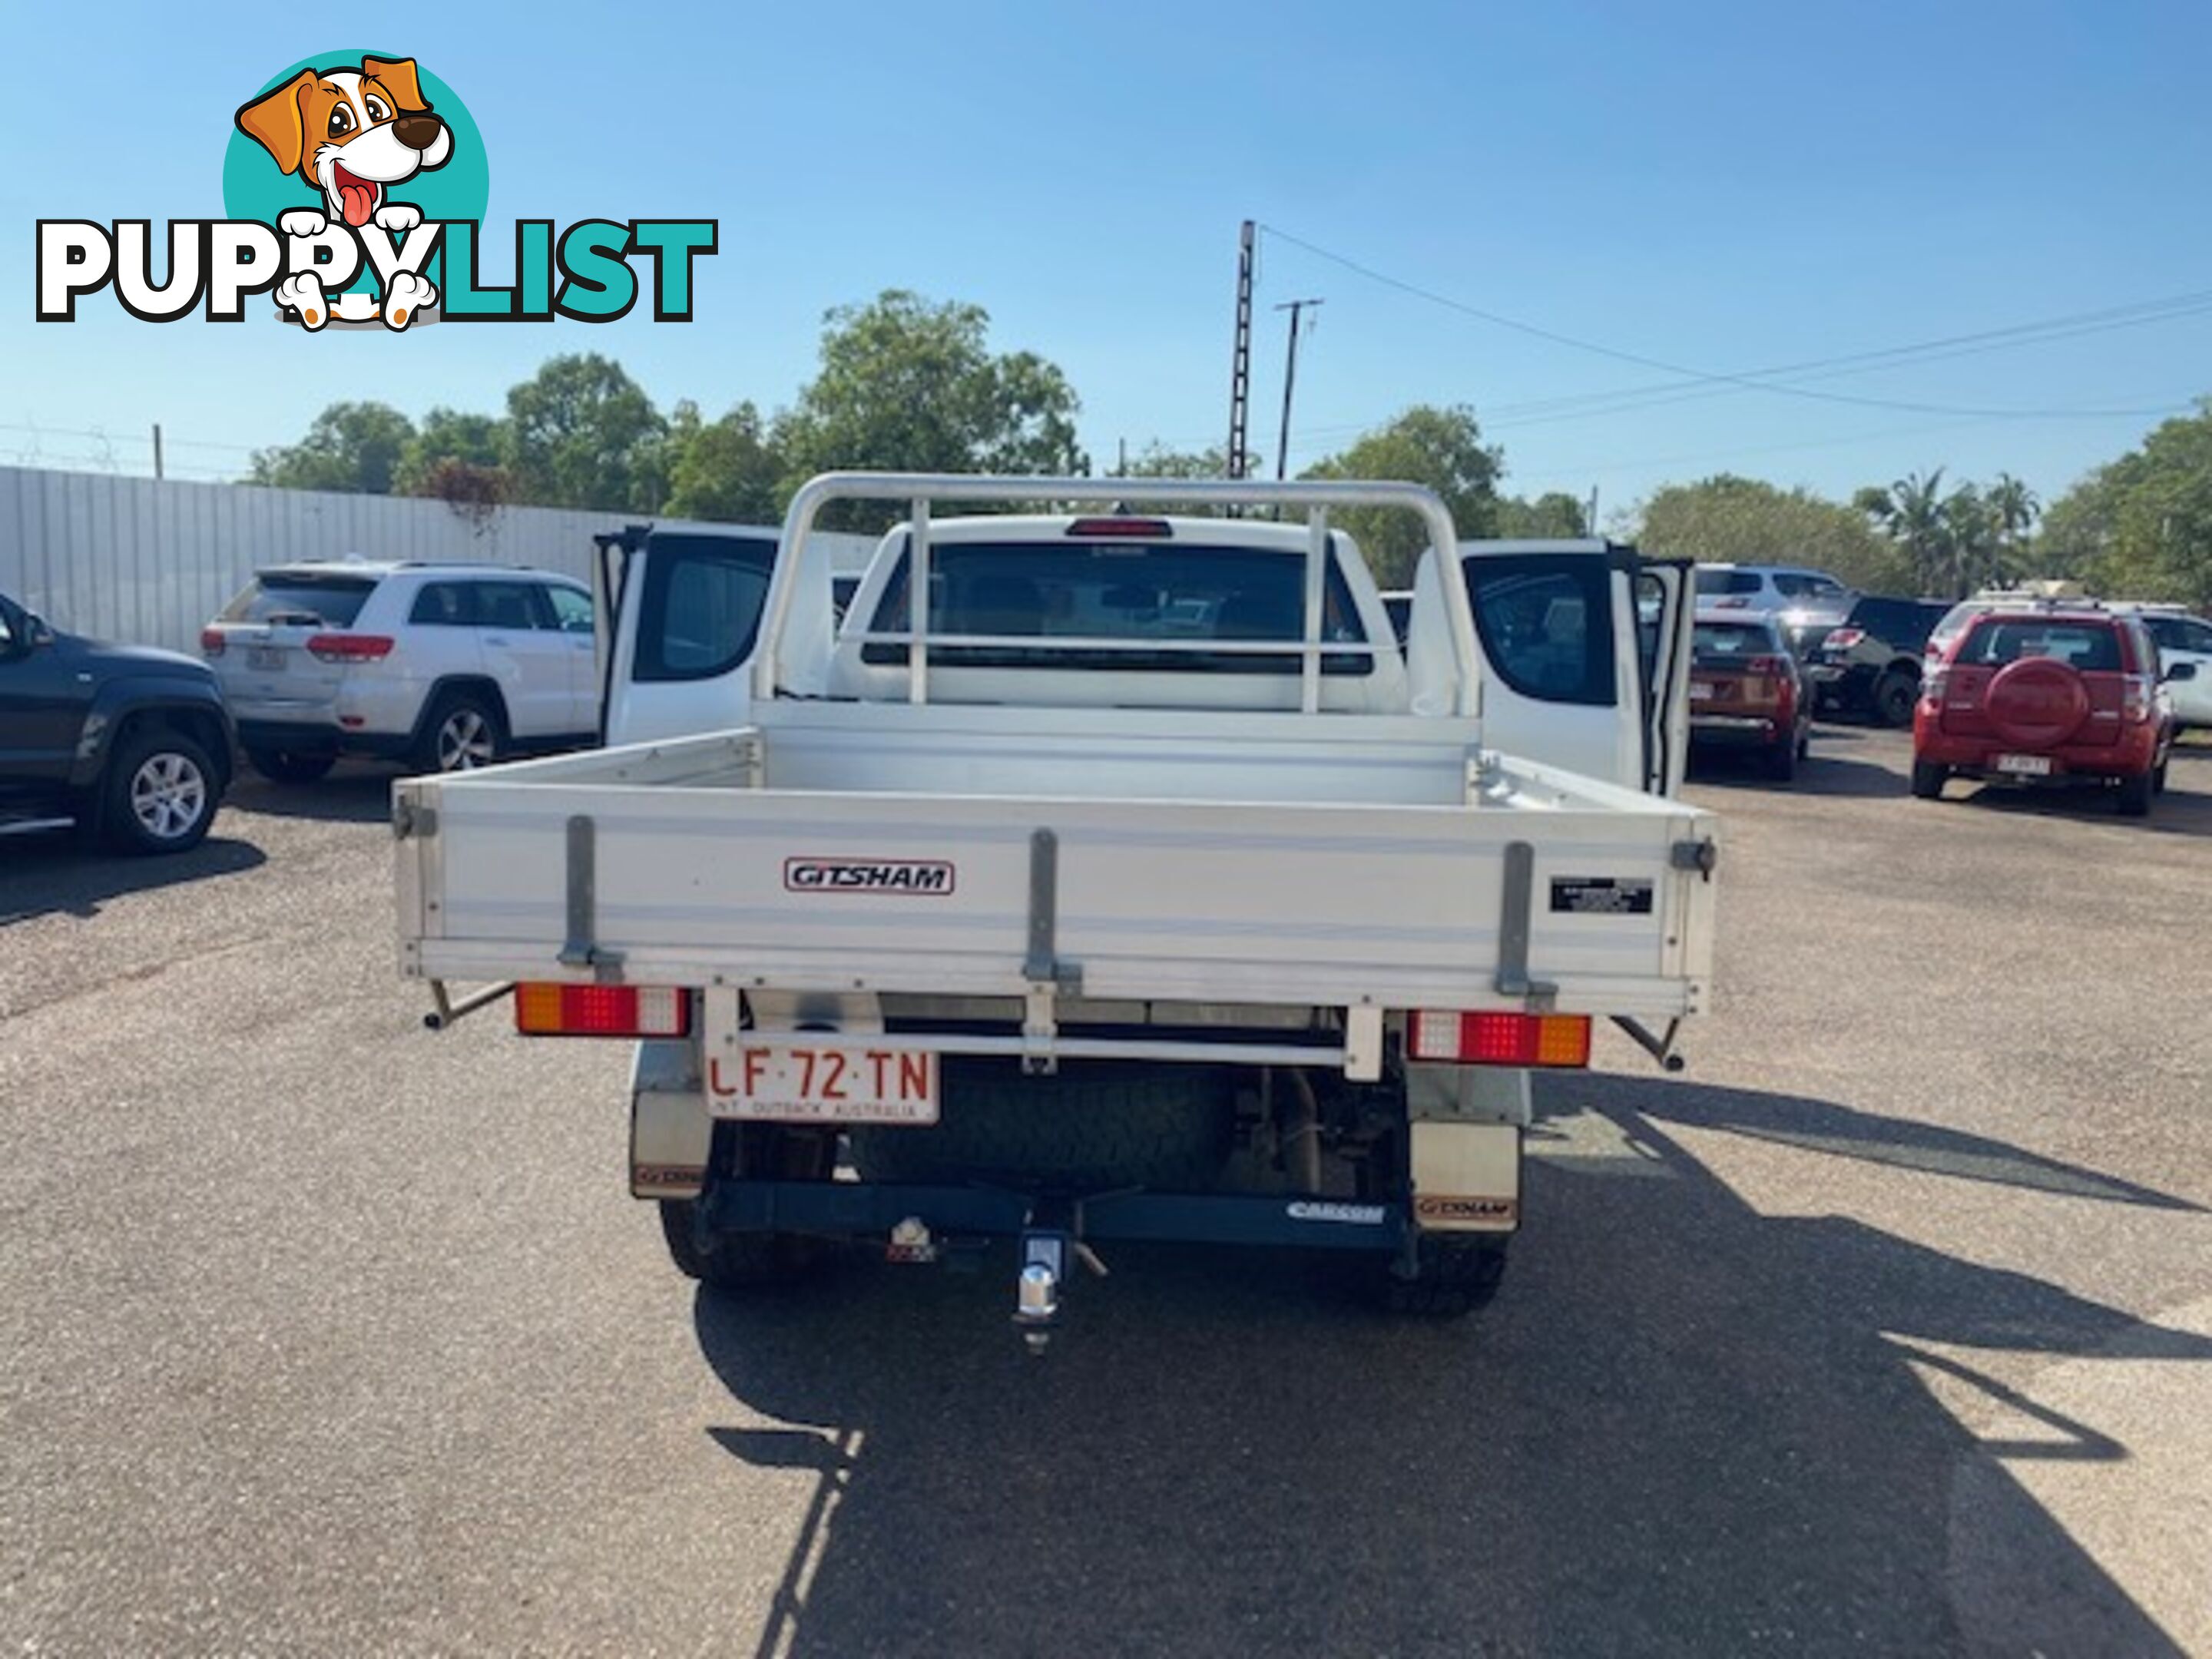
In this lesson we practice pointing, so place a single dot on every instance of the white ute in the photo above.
(1142, 888)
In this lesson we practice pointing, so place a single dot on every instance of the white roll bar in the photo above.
(921, 490)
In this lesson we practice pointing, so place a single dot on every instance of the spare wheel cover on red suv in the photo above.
(2037, 702)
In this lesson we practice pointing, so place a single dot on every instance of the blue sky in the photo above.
(1722, 187)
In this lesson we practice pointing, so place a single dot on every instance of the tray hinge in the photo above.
(1699, 855)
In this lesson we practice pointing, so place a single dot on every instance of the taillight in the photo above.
(1932, 681)
(349, 648)
(615, 1010)
(1841, 639)
(211, 641)
(2135, 697)
(1498, 1039)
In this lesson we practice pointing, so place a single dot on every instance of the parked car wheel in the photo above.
(161, 794)
(288, 766)
(463, 733)
(2133, 797)
(1895, 695)
(1929, 778)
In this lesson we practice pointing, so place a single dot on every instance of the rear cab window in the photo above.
(301, 599)
(700, 611)
(1097, 605)
(1546, 624)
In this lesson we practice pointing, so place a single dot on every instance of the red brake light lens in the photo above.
(617, 1010)
(211, 641)
(1841, 639)
(349, 648)
(1151, 530)
(1486, 1038)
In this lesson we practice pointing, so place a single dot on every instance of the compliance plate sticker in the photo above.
(1601, 896)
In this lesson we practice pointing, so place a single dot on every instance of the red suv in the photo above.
(2045, 696)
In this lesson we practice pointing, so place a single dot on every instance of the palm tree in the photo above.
(1912, 511)
(2013, 507)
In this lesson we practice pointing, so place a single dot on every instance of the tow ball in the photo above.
(1045, 1255)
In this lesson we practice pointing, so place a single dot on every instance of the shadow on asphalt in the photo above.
(1822, 772)
(65, 873)
(2185, 808)
(354, 793)
(1684, 1427)
(1820, 1126)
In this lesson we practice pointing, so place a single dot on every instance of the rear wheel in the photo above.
(1894, 696)
(161, 794)
(1782, 759)
(744, 1262)
(1929, 778)
(1454, 1274)
(2133, 797)
(289, 766)
(463, 733)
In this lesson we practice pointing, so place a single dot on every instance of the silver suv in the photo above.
(445, 666)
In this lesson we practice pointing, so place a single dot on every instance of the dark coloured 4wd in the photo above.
(1869, 662)
(130, 742)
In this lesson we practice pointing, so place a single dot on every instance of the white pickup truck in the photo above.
(1139, 887)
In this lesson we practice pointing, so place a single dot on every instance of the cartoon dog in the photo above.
(352, 133)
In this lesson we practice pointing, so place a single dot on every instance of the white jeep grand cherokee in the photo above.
(446, 667)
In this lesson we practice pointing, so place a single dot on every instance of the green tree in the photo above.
(582, 433)
(2013, 507)
(1156, 461)
(726, 469)
(1912, 510)
(1726, 519)
(2140, 527)
(909, 384)
(1552, 516)
(448, 439)
(1441, 448)
(352, 447)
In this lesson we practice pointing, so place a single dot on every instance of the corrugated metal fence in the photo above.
(148, 563)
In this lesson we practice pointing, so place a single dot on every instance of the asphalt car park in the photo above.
(1886, 1326)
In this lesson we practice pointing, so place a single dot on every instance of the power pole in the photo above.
(157, 452)
(1240, 357)
(1296, 307)
(1592, 526)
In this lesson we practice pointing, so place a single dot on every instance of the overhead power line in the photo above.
(1757, 380)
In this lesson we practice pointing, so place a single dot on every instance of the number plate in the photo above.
(1701, 690)
(799, 1083)
(267, 658)
(2025, 766)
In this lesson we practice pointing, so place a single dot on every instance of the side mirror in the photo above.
(2179, 671)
